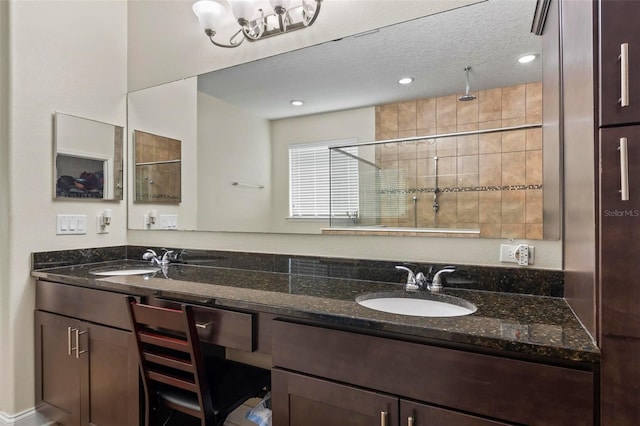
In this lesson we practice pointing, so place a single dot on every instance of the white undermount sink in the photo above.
(417, 304)
(119, 272)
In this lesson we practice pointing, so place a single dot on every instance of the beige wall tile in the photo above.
(407, 151)
(468, 208)
(388, 152)
(513, 207)
(490, 230)
(494, 124)
(513, 230)
(490, 105)
(513, 141)
(490, 207)
(534, 167)
(426, 131)
(389, 118)
(387, 135)
(467, 111)
(447, 147)
(407, 168)
(447, 172)
(426, 113)
(490, 143)
(468, 145)
(533, 138)
(534, 231)
(425, 210)
(425, 168)
(446, 111)
(533, 206)
(513, 168)
(467, 171)
(426, 148)
(513, 101)
(448, 211)
(490, 170)
(403, 134)
(534, 103)
(511, 122)
(407, 116)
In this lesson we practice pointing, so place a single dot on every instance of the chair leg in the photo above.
(169, 418)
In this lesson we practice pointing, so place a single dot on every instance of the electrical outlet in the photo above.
(516, 253)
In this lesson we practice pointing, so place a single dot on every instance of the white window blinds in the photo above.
(310, 183)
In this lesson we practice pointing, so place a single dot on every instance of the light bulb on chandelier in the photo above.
(255, 23)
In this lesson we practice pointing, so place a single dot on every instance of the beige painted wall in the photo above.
(63, 56)
(233, 146)
(168, 110)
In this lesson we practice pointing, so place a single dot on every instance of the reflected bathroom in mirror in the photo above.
(158, 168)
(237, 125)
(88, 161)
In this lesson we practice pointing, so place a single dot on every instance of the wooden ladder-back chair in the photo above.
(175, 373)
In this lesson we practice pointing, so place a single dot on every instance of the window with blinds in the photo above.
(320, 184)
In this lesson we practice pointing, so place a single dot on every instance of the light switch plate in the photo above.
(71, 224)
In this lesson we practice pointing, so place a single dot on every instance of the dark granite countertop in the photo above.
(518, 325)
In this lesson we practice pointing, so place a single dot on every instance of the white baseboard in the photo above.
(26, 418)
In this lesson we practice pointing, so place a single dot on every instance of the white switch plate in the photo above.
(71, 224)
(168, 221)
(509, 254)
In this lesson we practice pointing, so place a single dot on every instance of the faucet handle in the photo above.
(411, 278)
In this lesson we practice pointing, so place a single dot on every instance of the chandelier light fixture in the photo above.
(256, 23)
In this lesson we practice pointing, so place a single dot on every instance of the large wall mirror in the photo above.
(239, 128)
(88, 159)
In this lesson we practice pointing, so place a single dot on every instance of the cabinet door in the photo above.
(620, 233)
(414, 414)
(112, 376)
(299, 400)
(619, 26)
(620, 381)
(58, 372)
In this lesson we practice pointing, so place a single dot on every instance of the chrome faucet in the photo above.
(420, 281)
(412, 283)
(165, 259)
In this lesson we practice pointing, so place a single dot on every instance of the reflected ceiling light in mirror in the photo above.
(525, 59)
(297, 102)
(406, 80)
(255, 23)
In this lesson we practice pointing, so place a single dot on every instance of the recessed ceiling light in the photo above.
(297, 102)
(406, 80)
(525, 59)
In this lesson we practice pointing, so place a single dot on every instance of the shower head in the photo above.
(467, 96)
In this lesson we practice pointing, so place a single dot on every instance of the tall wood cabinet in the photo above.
(619, 202)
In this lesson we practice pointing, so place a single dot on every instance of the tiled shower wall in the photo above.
(158, 168)
(491, 182)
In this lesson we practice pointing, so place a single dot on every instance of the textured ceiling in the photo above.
(363, 70)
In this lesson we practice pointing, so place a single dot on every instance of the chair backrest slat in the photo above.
(164, 341)
(172, 380)
(168, 361)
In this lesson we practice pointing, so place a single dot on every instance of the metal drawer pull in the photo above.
(410, 421)
(624, 170)
(204, 324)
(624, 74)
(69, 348)
(383, 418)
(76, 348)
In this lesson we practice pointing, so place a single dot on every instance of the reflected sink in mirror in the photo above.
(115, 271)
(417, 304)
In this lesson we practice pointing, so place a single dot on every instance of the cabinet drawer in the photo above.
(512, 390)
(231, 329)
(102, 307)
(226, 328)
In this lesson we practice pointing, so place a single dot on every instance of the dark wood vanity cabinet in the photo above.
(327, 371)
(301, 400)
(619, 62)
(86, 372)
